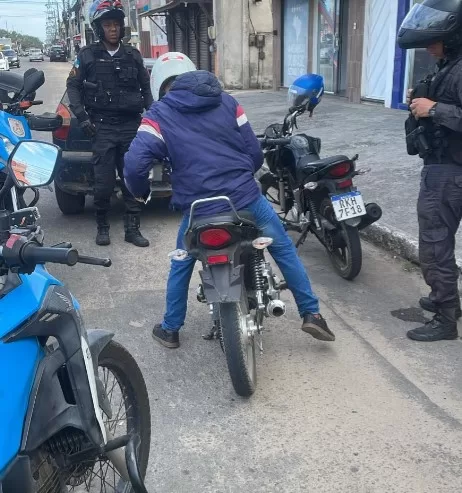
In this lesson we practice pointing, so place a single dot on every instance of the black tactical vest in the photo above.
(432, 142)
(112, 83)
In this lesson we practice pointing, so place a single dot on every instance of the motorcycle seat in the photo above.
(321, 163)
(224, 217)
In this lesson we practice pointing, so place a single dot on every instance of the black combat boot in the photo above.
(427, 304)
(102, 235)
(132, 230)
(442, 326)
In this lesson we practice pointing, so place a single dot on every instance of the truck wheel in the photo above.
(69, 203)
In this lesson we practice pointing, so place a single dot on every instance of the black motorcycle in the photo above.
(316, 195)
(238, 284)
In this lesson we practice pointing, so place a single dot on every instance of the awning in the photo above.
(170, 5)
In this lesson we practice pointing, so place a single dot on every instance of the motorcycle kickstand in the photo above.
(303, 236)
(212, 334)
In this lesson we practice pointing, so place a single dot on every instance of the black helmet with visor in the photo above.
(430, 22)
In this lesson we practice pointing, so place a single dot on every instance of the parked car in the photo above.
(13, 58)
(4, 65)
(57, 53)
(35, 55)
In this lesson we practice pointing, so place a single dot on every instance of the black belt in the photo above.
(114, 120)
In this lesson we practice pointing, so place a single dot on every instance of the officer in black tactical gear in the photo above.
(434, 132)
(108, 88)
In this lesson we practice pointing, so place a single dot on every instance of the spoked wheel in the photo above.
(343, 244)
(239, 347)
(128, 398)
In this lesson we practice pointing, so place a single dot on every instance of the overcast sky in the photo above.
(26, 17)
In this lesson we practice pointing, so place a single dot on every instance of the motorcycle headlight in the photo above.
(9, 146)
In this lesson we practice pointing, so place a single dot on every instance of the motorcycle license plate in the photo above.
(348, 205)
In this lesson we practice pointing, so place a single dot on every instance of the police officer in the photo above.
(434, 131)
(108, 88)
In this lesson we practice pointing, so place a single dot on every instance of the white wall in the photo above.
(379, 50)
(237, 62)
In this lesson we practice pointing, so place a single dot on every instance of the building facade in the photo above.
(351, 43)
(269, 43)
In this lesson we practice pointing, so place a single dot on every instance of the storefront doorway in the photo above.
(332, 44)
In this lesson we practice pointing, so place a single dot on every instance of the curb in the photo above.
(396, 242)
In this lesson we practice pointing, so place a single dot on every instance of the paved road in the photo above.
(371, 413)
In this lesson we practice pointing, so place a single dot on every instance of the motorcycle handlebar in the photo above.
(31, 253)
(275, 142)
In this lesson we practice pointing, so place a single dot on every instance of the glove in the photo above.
(88, 128)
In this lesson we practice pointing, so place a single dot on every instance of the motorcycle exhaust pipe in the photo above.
(373, 214)
(276, 308)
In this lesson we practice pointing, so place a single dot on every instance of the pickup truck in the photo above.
(74, 178)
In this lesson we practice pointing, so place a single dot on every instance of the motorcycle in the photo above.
(315, 195)
(238, 285)
(17, 95)
(75, 409)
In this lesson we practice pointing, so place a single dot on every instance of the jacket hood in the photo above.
(194, 92)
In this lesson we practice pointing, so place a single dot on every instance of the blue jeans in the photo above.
(282, 250)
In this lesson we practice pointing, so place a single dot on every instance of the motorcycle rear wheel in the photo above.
(343, 244)
(239, 348)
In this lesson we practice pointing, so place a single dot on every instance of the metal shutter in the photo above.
(204, 50)
(178, 32)
(192, 38)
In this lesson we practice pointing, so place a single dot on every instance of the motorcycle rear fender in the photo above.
(223, 283)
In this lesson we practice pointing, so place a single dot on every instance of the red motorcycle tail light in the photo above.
(214, 237)
(345, 184)
(217, 259)
(340, 170)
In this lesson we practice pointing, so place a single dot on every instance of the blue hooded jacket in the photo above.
(211, 145)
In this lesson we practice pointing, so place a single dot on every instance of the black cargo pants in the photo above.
(109, 146)
(439, 209)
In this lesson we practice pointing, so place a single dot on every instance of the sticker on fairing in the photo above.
(17, 127)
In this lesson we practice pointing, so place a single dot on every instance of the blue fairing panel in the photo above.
(18, 360)
(21, 303)
(14, 128)
(18, 364)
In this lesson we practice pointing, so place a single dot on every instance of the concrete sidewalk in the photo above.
(377, 135)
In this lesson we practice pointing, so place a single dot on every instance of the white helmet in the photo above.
(166, 67)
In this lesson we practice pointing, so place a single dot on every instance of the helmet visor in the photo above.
(423, 18)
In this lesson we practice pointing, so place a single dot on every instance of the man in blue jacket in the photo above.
(213, 151)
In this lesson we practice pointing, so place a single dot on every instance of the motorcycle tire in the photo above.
(343, 245)
(69, 204)
(120, 363)
(239, 349)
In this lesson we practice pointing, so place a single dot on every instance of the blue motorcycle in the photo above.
(74, 409)
(17, 96)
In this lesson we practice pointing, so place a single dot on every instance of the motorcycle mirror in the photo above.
(32, 163)
(33, 81)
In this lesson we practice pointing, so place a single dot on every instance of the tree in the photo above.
(25, 40)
